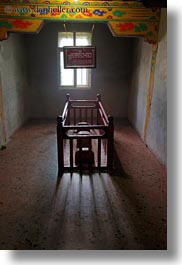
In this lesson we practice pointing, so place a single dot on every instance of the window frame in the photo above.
(74, 87)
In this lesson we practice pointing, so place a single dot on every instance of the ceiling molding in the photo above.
(125, 18)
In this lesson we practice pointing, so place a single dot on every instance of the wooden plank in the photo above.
(2, 116)
(150, 88)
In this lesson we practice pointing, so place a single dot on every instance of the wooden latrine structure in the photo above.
(85, 136)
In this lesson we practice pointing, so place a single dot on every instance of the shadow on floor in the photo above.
(89, 211)
(118, 169)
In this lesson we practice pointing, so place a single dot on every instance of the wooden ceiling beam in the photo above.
(125, 18)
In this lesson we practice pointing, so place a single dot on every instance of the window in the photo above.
(73, 78)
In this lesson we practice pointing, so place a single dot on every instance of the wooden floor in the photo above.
(125, 209)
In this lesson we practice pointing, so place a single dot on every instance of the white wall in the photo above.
(156, 138)
(111, 78)
(14, 83)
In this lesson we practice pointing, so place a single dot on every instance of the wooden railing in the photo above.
(83, 122)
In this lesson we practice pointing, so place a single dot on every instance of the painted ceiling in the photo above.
(124, 18)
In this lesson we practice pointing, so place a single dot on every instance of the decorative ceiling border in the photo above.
(124, 18)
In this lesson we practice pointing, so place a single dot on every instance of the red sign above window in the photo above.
(79, 56)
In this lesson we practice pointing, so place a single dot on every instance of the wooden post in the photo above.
(98, 113)
(2, 116)
(86, 119)
(150, 89)
(67, 97)
(74, 116)
(98, 97)
(71, 153)
(68, 100)
(110, 148)
(60, 146)
(92, 116)
(99, 153)
(80, 114)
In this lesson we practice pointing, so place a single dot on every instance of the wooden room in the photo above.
(83, 125)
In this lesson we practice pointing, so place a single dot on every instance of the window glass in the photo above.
(65, 39)
(70, 77)
(67, 75)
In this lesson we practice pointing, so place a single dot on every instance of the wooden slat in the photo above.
(74, 116)
(2, 116)
(99, 153)
(103, 115)
(60, 146)
(150, 89)
(92, 116)
(86, 115)
(80, 114)
(84, 127)
(71, 153)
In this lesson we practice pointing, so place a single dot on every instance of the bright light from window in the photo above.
(70, 77)
(65, 39)
(82, 77)
(67, 75)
